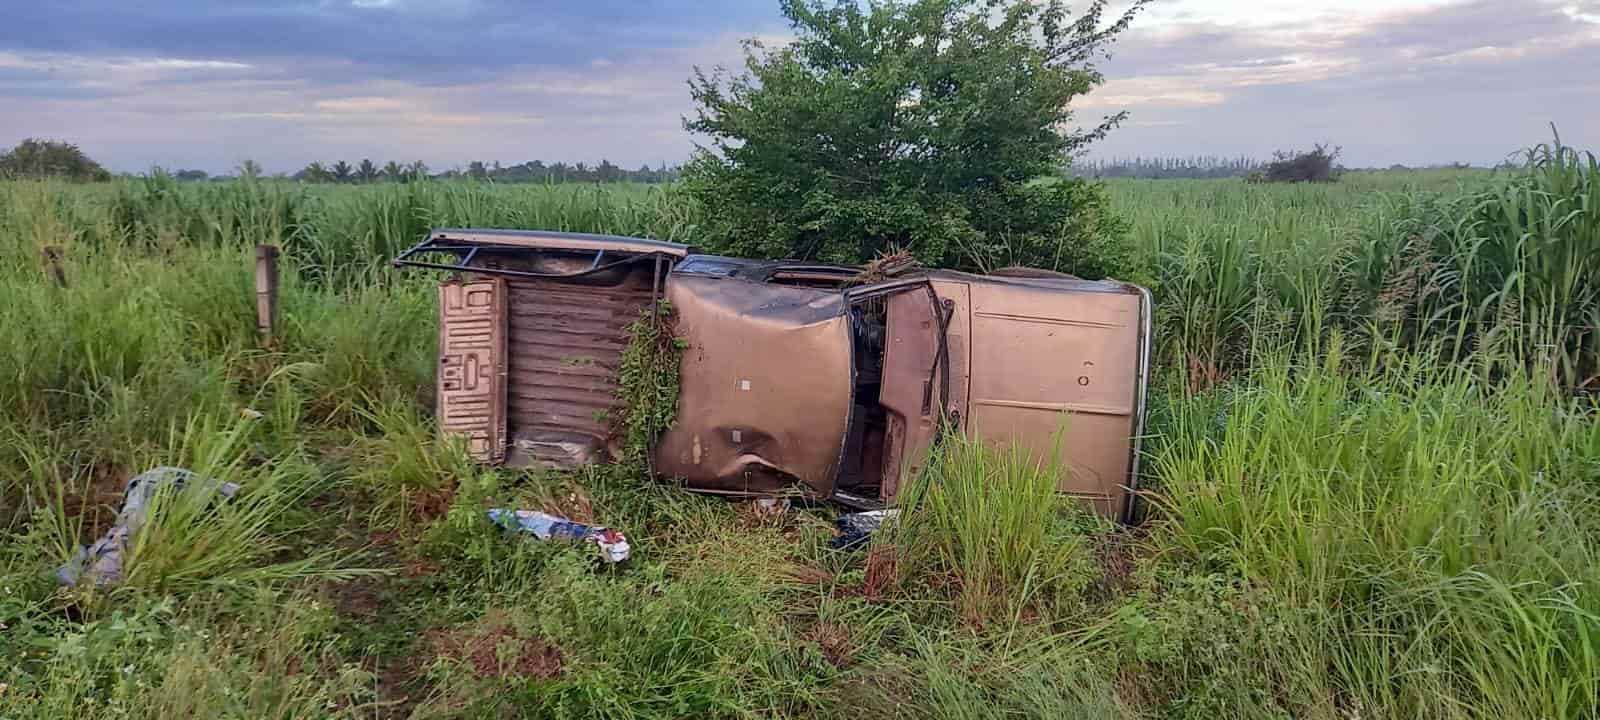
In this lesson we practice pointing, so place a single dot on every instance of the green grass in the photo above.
(1374, 492)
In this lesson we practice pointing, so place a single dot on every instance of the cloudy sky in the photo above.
(191, 83)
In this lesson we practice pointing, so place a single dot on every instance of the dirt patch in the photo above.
(882, 573)
(1115, 556)
(361, 598)
(570, 502)
(398, 687)
(390, 545)
(803, 574)
(431, 504)
(834, 641)
(480, 645)
(1132, 689)
(418, 568)
(95, 501)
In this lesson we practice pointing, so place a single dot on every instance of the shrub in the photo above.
(1315, 165)
(38, 159)
(906, 125)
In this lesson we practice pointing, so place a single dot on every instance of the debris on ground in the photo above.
(886, 266)
(101, 563)
(856, 528)
(763, 511)
(834, 641)
(613, 545)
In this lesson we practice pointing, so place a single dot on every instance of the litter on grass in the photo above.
(101, 563)
(856, 528)
(613, 545)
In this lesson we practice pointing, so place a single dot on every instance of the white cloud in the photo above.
(1277, 13)
(368, 104)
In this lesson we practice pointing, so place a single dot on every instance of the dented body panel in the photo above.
(796, 379)
(764, 399)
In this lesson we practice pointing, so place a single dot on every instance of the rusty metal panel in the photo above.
(566, 346)
(472, 370)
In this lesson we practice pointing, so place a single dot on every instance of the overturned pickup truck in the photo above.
(797, 379)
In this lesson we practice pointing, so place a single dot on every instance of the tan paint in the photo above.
(472, 352)
(770, 361)
(766, 385)
(910, 352)
(1058, 359)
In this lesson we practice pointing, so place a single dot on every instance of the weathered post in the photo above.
(52, 264)
(266, 290)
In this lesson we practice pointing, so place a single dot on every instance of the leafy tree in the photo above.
(418, 170)
(342, 171)
(191, 175)
(249, 170)
(1315, 165)
(367, 171)
(919, 124)
(34, 158)
(315, 172)
(393, 171)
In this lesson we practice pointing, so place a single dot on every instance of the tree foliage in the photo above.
(35, 158)
(533, 171)
(923, 125)
(367, 171)
(1315, 165)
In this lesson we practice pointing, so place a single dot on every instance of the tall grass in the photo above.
(1439, 529)
(338, 234)
(987, 521)
(1375, 496)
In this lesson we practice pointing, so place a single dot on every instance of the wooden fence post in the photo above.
(52, 264)
(266, 290)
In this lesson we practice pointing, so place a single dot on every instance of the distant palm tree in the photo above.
(315, 172)
(367, 171)
(392, 171)
(418, 170)
(341, 171)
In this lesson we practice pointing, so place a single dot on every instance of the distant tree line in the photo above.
(36, 158)
(536, 171)
(1316, 165)
(1165, 167)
